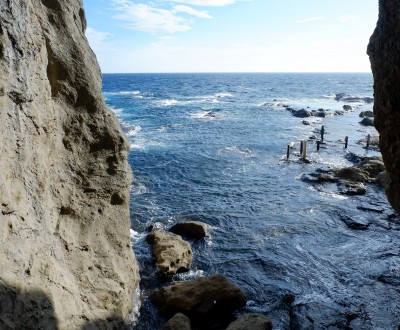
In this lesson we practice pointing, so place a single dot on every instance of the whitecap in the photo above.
(222, 95)
(168, 102)
(122, 93)
(138, 188)
(204, 115)
(134, 130)
(236, 149)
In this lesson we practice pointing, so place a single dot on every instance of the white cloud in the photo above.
(311, 19)
(142, 17)
(98, 40)
(191, 11)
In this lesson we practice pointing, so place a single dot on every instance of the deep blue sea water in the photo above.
(211, 147)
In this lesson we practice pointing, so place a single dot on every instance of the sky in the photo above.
(137, 36)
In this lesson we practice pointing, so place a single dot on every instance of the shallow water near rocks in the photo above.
(212, 148)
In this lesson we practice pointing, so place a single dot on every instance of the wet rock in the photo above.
(305, 122)
(173, 254)
(251, 322)
(355, 224)
(177, 322)
(320, 113)
(367, 121)
(303, 113)
(190, 229)
(370, 208)
(366, 114)
(381, 179)
(352, 188)
(391, 276)
(353, 173)
(154, 226)
(347, 107)
(372, 167)
(203, 300)
(339, 112)
(340, 96)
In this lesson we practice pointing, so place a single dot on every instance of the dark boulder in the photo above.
(367, 113)
(303, 113)
(190, 229)
(202, 300)
(367, 121)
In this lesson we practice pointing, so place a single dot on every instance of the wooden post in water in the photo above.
(301, 147)
(304, 153)
(318, 144)
(346, 142)
(288, 151)
(368, 140)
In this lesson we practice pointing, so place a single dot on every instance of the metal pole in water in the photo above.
(368, 140)
(301, 147)
(346, 142)
(318, 144)
(288, 151)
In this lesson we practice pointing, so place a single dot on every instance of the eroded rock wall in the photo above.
(384, 52)
(65, 253)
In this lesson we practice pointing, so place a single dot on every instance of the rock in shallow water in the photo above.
(190, 229)
(177, 322)
(173, 254)
(251, 322)
(202, 300)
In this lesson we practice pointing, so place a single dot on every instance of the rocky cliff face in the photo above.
(384, 52)
(65, 255)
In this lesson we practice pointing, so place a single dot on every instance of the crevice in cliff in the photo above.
(55, 71)
(52, 4)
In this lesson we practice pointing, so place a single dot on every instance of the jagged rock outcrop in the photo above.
(173, 254)
(65, 254)
(384, 52)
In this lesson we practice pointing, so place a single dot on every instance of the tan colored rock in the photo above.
(251, 322)
(177, 322)
(173, 254)
(190, 229)
(384, 52)
(64, 179)
(202, 300)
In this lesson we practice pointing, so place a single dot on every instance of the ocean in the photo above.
(212, 148)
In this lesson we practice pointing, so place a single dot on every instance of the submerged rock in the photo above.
(366, 114)
(352, 188)
(302, 113)
(356, 224)
(173, 254)
(190, 229)
(367, 121)
(203, 300)
(177, 322)
(347, 107)
(251, 322)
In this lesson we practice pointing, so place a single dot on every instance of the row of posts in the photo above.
(303, 146)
